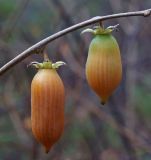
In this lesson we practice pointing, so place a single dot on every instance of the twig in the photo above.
(38, 46)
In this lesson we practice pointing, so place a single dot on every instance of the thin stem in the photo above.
(101, 24)
(46, 58)
(38, 46)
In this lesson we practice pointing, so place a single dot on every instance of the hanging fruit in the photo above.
(47, 103)
(103, 66)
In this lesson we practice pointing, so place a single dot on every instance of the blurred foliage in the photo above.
(6, 8)
(143, 102)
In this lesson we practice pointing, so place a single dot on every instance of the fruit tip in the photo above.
(102, 102)
(47, 150)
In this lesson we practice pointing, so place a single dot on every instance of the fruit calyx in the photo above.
(100, 30)
(47, 64)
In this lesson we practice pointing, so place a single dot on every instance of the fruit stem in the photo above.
(46, 58)
(101, 24)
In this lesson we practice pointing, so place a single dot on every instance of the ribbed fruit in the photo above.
(47, 107)
(103, 66)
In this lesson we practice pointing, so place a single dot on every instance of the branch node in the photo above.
(96, 17)
(147, 13)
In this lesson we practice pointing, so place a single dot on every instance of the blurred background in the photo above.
(120, 130)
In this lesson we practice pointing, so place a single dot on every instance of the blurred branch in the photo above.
(65, 49)
(38, 47)
(15, 117)
(119, 119)
(71, 60)
(134, 137)
(68, 21)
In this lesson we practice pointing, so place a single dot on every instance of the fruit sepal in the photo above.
(100, 30)
(47, 64)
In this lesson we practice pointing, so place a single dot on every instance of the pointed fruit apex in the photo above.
(47, 150)
(102, 102)
(47, 147)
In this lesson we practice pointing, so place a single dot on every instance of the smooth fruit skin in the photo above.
(103, 66)
(47, 107)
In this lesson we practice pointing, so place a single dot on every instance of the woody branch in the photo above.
(38, 47)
